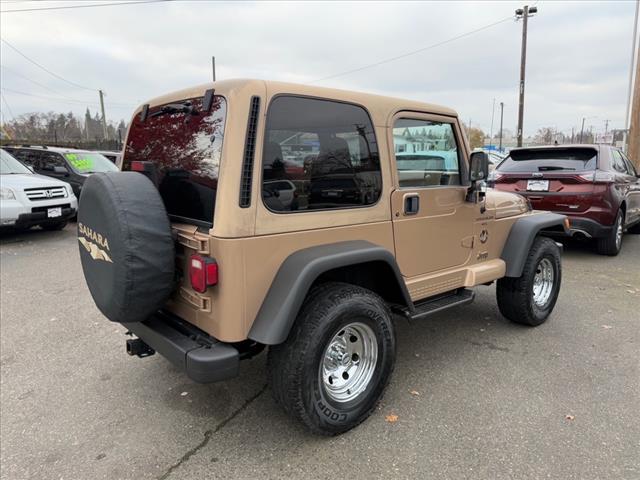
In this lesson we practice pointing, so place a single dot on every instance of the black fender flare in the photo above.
(296, 276)
(523, 233)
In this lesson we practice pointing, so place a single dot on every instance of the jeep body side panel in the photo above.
(521, 237)
(296, 276)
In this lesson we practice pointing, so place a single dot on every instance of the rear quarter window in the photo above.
(326, 150)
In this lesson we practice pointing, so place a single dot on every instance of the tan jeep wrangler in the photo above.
(256, 213)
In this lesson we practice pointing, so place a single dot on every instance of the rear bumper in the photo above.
(41, 218)
(203, 358)
(589, 228)
(586, 227)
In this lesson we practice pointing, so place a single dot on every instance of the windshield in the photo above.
(558, 159)
(185, 144)
(9, 165)
(89, 162)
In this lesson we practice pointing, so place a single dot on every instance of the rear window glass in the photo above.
(185, 144)
(578, 159)
(319, 154)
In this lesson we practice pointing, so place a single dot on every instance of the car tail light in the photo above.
(137, 166)
(603, 177)
(203, 273)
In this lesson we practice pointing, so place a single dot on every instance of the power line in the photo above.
(112, 4)
(62, 100)
(127, 104)
(34, 82)
(46, 69)
(8, 107)
(429, 47)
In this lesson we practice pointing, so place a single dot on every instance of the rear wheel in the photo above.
(334, 366)
(612, 243)
(530, 298)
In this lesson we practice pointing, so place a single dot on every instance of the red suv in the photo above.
(596, 186)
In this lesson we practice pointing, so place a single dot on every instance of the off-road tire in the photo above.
(295, 366)
(611, 244)
(54, 226)
(516, 295)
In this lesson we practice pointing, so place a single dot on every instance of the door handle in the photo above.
(411, 203)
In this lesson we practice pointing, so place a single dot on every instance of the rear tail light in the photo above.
(137, 166)
(203, 273)
(603, 177)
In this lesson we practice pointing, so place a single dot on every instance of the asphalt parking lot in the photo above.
(474, 396)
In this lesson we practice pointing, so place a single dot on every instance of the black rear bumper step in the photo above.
(423, 309)
(203, 358)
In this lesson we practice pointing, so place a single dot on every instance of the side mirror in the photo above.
(478, 166)
(60, 171)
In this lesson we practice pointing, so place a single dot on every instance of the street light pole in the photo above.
(523, 13)
(501, 117)
(104, 117)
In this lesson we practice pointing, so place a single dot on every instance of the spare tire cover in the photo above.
(126, 245)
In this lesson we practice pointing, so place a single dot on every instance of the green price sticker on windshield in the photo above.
(80, 163)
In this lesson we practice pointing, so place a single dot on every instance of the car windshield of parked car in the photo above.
(10, 166)
(89, 162)
(540, 160)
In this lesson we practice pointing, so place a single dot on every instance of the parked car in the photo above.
(67, 164)
(596, 186)
(316, 283)
(28, 199)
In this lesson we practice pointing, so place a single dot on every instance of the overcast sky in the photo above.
(577, 64)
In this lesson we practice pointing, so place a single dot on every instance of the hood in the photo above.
(22, 181)
(506, 204)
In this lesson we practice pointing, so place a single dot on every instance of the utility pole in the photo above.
(213, 67)
(493, 111)
(606, 127)
(501, 117)
(523, 13)
(573, 132)
(629, 93)
(582, 131)
(104, 118)
(634, 129)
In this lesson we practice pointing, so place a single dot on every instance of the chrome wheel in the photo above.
(543, 283)
(618, 232)
(349, 361)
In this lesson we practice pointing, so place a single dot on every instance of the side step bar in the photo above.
(423, 309)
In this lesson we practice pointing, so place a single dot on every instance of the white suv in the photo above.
(27, 199)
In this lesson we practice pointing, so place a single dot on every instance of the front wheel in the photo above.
(334, 366)
(530, 298)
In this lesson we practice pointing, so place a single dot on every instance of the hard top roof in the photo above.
(368, 100)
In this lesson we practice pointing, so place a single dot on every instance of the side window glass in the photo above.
(50, 160)
(26, 157)
(319, 154)
(618, 163)
(630, 167)
(426, 153)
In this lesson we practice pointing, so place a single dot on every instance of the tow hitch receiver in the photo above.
(137, 347)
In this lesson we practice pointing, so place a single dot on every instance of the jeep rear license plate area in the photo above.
(54, 212)
(538, 185)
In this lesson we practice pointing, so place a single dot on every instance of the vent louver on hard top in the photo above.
(249, 150)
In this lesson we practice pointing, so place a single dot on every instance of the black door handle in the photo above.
(411, 204)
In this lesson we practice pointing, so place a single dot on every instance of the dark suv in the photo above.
(67, 164)
(595, 185)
